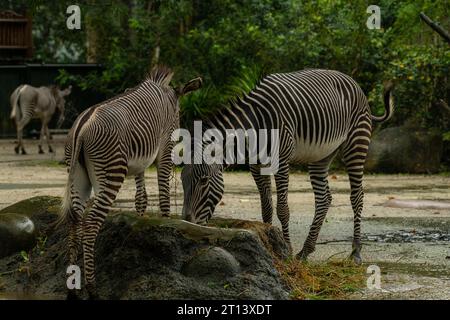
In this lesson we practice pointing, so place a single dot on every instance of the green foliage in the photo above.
(24, 256)
(223, 41)
(205, 101)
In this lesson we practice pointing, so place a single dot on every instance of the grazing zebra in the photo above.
(122, 136)
(318, 113)
(28, 102)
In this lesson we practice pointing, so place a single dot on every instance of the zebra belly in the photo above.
(306, 152)
(138, 165)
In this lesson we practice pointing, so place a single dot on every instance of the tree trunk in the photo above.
(91, 40)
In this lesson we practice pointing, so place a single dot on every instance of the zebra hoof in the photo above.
(356, 253)
(357, 259)
(93, 296)
(16, 149)
(302, 256)
(40, 150)
(356, 256)
(165, 215)
(72, 295)
(23, 151)
(92, 293)
(50, 150)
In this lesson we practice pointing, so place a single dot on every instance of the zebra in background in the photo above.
(28, 102)
(318, 113)
(122, 136)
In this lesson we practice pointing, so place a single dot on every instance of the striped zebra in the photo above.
(28, 102)
(119, 137)
(318, 113)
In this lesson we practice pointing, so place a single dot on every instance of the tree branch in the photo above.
(444, 34)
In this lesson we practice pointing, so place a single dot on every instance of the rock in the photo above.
(417, 204)
(17, 232)
(22, 222)
(152, 257)
(213, 263)
(405, 150)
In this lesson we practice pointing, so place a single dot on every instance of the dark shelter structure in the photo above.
(16, 42)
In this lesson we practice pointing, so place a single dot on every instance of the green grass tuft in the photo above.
(318, 281)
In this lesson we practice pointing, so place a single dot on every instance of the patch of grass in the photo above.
(334, 279)
(317, 281)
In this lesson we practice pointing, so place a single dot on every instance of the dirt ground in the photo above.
(411, 246)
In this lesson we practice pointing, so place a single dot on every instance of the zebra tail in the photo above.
(66, 204)
(388, 103)
(16, 107)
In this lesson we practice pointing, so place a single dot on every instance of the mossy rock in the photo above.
(35, 206)
(213, 263)
(153, 257)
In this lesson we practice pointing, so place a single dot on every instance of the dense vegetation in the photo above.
(226, 41)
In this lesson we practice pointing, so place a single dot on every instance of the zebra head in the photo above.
(203, 188)
(59, 96)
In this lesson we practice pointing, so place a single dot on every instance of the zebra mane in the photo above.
(161, 75)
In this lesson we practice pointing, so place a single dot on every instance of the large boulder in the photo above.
(17, 232)
(405, 150)
(153, 257)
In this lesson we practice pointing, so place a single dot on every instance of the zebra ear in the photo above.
(68, 90)
(192, 85)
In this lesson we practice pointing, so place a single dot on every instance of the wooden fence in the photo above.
(16, 42)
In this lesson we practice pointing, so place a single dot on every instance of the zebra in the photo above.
(319, 113)
(109, 141)
(28, 102)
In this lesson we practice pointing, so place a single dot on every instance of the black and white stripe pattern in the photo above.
(318, 113)
(122, 136)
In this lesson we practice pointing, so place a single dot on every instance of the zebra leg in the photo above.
(48, 138)
(265, 192)
(354, 156)
(141, 194)
(80, 192)
(41, 138)
(20, 125)
(19, 140)
(93, 222)
(318, 173)
(282, 183)
(356, 198)
(164, 166)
